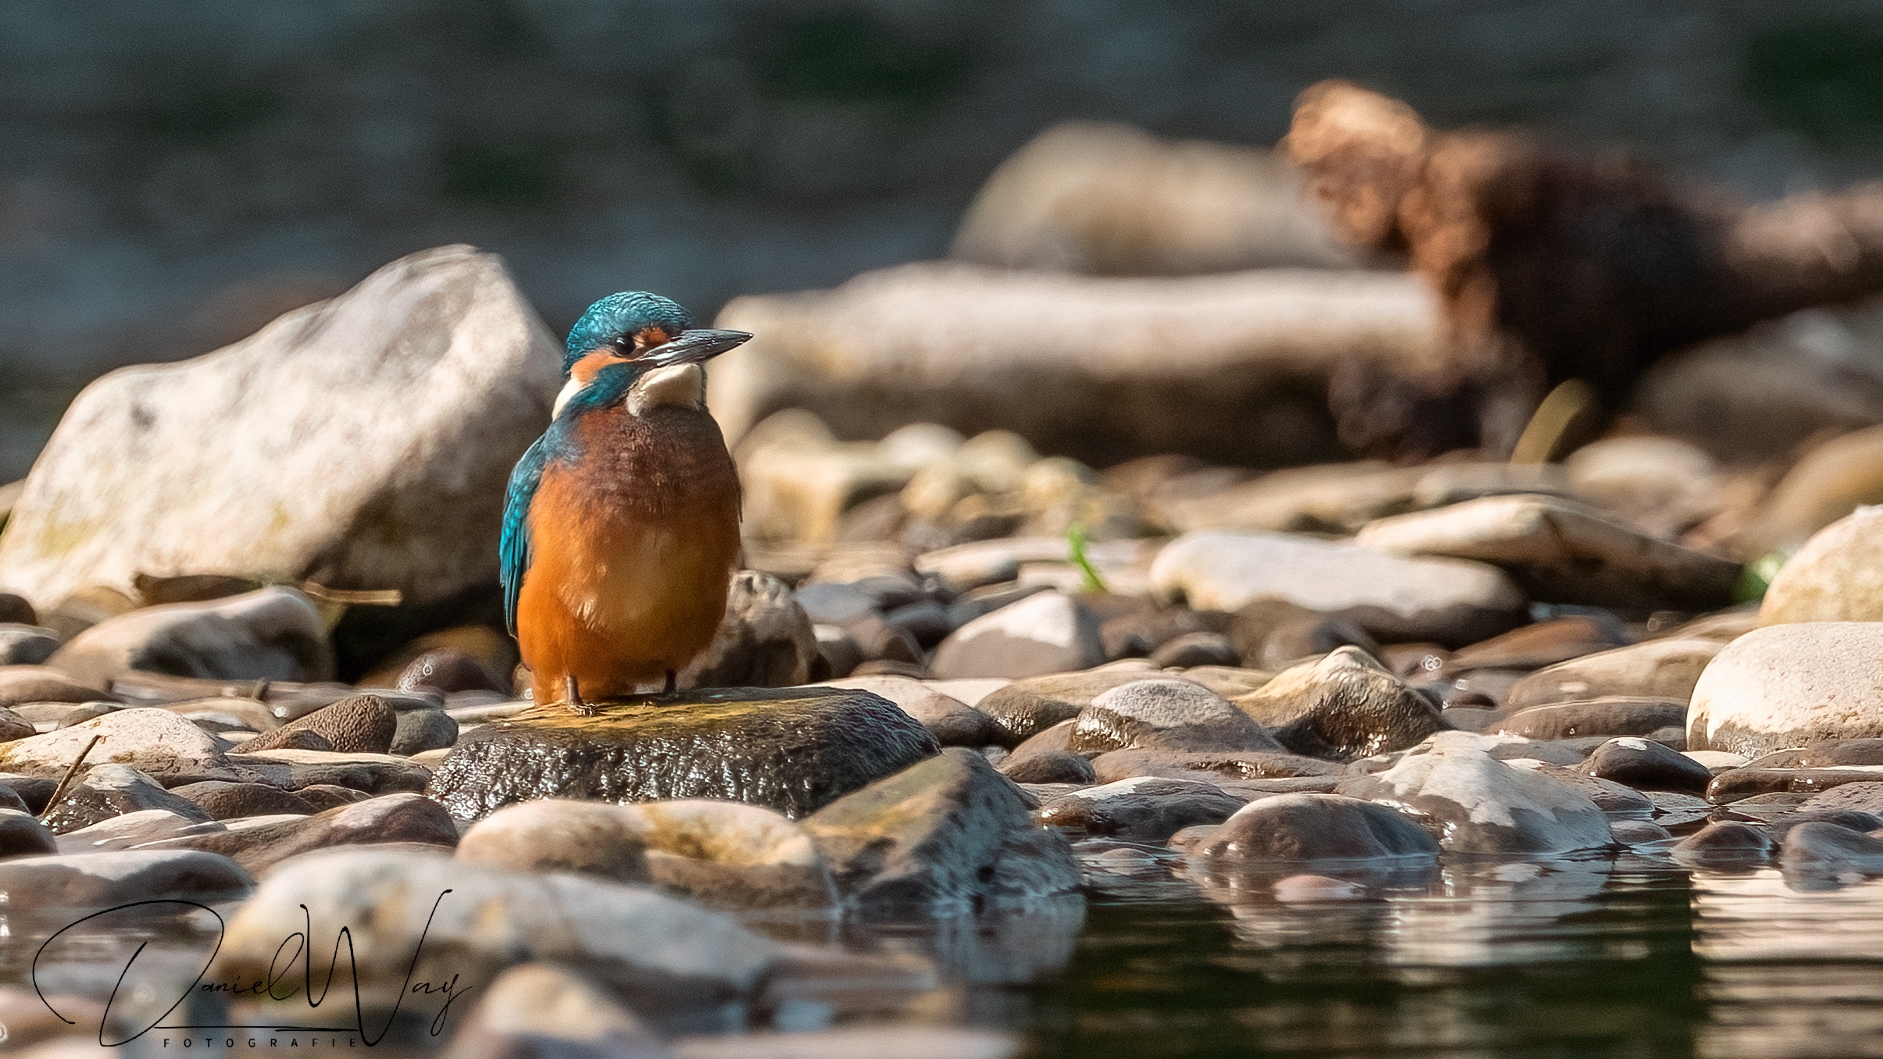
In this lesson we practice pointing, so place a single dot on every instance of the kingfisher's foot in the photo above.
(673, 686)
(574, 698)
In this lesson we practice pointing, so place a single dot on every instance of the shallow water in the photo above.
(1630, 957)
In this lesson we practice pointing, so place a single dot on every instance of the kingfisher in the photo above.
(621, 524)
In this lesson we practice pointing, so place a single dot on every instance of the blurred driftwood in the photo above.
(1550, 267)
(1113, 200)
(1230, 367)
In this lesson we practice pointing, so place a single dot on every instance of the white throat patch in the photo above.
(677, 384)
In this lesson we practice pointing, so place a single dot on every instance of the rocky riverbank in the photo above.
(997, 673)
(255, 702)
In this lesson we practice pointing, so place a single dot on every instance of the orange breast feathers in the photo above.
(633, 547)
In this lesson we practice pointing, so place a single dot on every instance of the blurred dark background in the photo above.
(174, 175)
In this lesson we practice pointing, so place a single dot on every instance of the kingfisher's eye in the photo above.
(623, 343)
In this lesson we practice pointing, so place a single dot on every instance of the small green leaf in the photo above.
(1757, 577)
(1075, 542)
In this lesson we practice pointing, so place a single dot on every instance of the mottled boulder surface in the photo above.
(1790, 686)
(425, 382)
(791, 750)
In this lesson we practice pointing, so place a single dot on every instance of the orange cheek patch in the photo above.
(584, 370)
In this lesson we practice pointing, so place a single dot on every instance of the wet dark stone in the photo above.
(1612, 715)
(1854, 819)
(1250, 627)
(113, 790)
(1050, 766)
(403, 818)
(1292, 641)
(1824, 848)
(1197, 649)
(1142, 630)
(765, 640)
(793, 750)
(1638, 832)
(1672, 737)
(1646, 765)
(448, 669)
(16, 610)
(13, 726)
(1726, 840)
(1608, 796)
(1025, 708)
(35, 791)
(360, 724)
(223, 800)
(1545, 643)
(1679, 813)
(1342, 707)
(1317, 827)
(1053, 740)
(925, 619)
(422, 730)
(1735, 784)
(10, 799)
(1138, 810)
(23, 836)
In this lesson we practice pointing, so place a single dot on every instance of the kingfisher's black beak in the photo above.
(692, 347)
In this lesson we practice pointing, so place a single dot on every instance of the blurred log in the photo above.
(1113, 200)
(1232, 368)
(1550, 267)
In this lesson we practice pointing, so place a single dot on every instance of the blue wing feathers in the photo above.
(513, 550)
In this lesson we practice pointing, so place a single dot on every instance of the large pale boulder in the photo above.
(363, 442)
(1836, 576)
(1790, 685)
(1394, 597)
(1097, 368)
